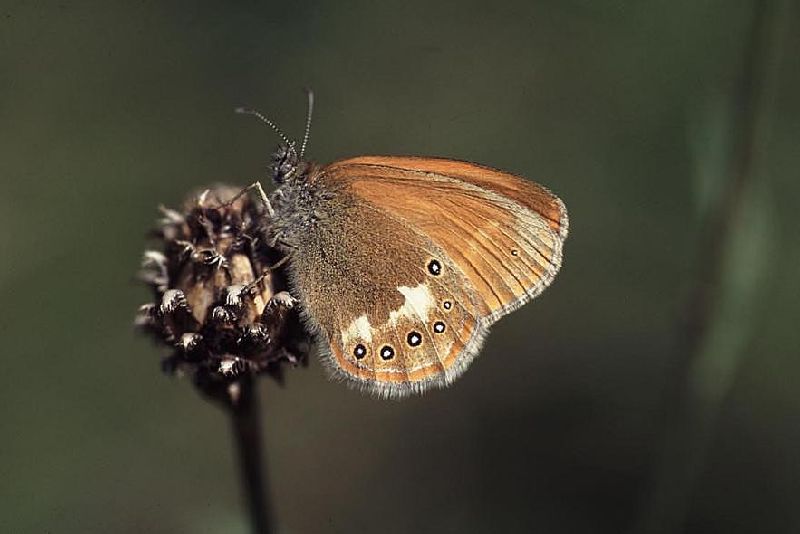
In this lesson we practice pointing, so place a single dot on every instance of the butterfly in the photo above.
(401, 264)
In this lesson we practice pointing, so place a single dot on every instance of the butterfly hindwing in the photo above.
(392, 312)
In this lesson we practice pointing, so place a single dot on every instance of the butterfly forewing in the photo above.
(525, 192)
(485, 220)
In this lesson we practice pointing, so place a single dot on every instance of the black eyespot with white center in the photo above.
(439, 327)
(514, 252)
(360, 351)
(414, 339)
(447, 305)
(387, 352)
(434, 267)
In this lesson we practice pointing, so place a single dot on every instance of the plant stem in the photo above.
(246, 427)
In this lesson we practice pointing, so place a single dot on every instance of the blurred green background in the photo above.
(566, 423)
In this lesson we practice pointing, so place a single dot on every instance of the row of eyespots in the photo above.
(414, 339)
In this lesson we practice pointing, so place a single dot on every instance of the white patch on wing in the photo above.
(418, 303)
(359, 329)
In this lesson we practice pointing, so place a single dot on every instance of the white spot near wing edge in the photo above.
(418, 303)
(358, 329)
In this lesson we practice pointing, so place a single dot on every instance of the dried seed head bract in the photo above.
(218, 304)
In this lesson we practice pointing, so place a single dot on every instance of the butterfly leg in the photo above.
(262, 196)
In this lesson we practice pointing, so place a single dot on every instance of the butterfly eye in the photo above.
(387, 352)
(434, 267)
(360, 351)
(414, 339)
(438, 327)
(284, 163)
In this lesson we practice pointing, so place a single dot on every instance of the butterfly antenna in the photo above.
(247, 111)
(308, 122)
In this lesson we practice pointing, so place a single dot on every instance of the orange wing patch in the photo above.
(526, 193)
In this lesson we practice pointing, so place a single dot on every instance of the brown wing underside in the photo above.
(497, 237)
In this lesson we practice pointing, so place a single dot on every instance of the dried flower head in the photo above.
(220, 303)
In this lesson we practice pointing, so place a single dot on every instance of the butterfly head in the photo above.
(286, 160)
